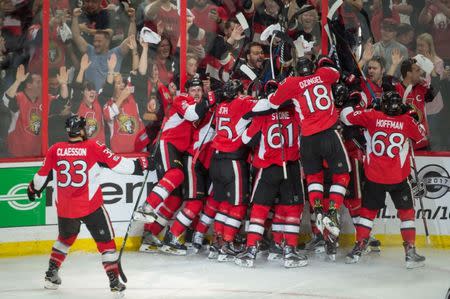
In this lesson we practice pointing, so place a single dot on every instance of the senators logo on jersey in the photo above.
(128, 124)
(34, 124)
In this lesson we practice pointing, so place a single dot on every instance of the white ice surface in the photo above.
(162, 276)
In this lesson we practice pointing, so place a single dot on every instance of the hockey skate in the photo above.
(117, 288)
(145, 213)
(355, 255)
(215, 247)
(413, 260)
(318, 210)
(150, 243)
(275, 252)
(52, 279)
(172, 245)
(316, 244)
(331, 223)
(374, 244)
(228, 252)
(331, 249)
(292, 259)
(246, 258)
(197, 242)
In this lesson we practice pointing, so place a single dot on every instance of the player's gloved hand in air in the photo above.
(32, 193)
(409, 110)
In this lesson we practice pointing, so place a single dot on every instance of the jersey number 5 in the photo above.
(75, 174)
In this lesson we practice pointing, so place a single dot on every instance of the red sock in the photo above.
(292, 219)
(186, 216)
(234, 221)
(365, 223)
(169, 182)
(338, 189)
(221, 217)
(353, 205)
(109, 256)
(61, 248)
(278, 225)
(407, 227)
(207, 217)
(165, 213)
(258, 216)
(315, 187)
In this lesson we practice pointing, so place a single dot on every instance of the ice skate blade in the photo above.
(331, 257)
(148, 248)
(146, 218)
(117, 294)
(213, 255)
(295, 264)
(274, 257)
(225, 258)
(50, 285)
(414, 265)
(169, 250)
(244, 263)
(319, 249)
(354, 260)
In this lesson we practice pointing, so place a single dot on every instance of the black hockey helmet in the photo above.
(74, 125)
(391, 103)
(304, 66)
(193, 82)
(270, 87)
(231, 89)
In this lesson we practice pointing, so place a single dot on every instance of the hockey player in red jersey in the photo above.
(196, 189)
(311, 93)
(276, 159)
(387, 167)
(229, 168)
(74, 167)
(176, 136)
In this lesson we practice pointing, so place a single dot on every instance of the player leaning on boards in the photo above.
(74, 168)
(387, 167)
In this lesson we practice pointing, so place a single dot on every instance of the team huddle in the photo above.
(226, 157)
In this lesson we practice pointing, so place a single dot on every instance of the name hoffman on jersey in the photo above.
(71, 151)
(385, 123)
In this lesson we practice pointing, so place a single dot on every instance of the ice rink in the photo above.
(162, 276)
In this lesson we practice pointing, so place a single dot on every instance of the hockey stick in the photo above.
(119, 259)
(197, 152)
(419, 185)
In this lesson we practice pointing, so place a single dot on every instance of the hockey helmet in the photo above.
(304, 66)
(270, 87)
(231, 88)
(193, 82)
(391, 103)
(323, 61)
(74, 125)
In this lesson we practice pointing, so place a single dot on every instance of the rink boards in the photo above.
(30, 227)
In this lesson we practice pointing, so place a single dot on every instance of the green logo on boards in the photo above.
(15, 208)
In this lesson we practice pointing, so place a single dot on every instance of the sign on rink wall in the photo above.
(21, 220)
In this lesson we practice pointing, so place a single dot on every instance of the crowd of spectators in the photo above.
(101, 68)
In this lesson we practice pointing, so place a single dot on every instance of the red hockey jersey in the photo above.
(125, 124)
(313, 98)
(177, 127)
(416, 98)
(75, 170)
(387, 159)
(95, 128)
(202, 136)
(269, 151)
(25, 128)
(230, 124)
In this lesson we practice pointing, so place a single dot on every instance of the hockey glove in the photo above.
(419, 189)
(32, 193)
(211, 98)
